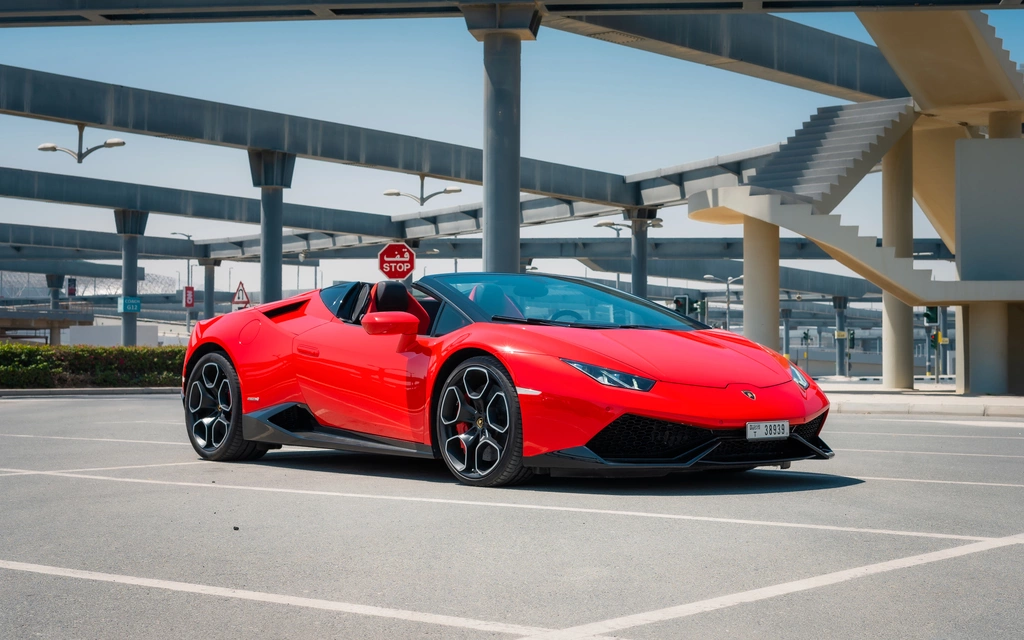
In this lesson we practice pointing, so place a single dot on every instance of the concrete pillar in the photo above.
(272, 172)
(54, 335)
(898, 233)
(787, 315)
(54, 283)
(983, 338)
(502, 53)
(989, 348)
(840, 303)
(209, 287)
(130, 225)
(761, 282)
(501, 27)
(638, 258)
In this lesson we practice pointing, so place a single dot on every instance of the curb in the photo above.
(977, 410)
(89, 391)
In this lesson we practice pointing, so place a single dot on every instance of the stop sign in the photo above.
(396, 260)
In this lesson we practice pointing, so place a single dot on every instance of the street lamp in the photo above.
(617, 227)
(82, 154)
(421, 199)
(188, 280)
(728, 293)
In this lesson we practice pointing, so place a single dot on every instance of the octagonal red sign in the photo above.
(396, 260)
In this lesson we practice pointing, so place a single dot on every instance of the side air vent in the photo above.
(283, 310)
(295, 418)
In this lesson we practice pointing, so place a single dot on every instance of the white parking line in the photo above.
(721, 602)
(995, 424)
(22, 435)
(514, 505)
(979, 484)
(930, 453)
(19, 472)
(274, 598)
(919, 435)
(884, 479)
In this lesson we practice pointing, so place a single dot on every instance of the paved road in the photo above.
(112, 528)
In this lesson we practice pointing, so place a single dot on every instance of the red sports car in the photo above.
(502, 376)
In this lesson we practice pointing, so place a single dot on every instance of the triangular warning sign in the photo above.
(241, 297)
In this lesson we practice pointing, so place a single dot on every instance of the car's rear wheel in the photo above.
(213, 412)
(479, 427)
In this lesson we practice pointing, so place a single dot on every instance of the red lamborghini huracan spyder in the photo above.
(499, 375)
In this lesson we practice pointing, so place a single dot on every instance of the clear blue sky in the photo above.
(585, 102)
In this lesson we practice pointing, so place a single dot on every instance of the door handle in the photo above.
(308, 350)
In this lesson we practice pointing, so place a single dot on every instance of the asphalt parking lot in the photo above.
(111, 527)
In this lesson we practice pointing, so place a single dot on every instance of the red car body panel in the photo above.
(297, 351)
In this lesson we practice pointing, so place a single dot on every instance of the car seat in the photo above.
(492, 299)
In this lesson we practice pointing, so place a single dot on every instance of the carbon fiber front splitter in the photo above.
(582, 462)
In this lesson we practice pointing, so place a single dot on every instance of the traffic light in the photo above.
(931, 316)
(933, 341)
(853, 336)
(702, 308)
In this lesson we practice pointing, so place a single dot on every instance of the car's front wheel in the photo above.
(479, 427)
(213, 412)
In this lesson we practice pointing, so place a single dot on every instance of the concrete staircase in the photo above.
(834, 150)
(844, 243)
(810, 175)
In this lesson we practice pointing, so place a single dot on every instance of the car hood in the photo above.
(707, 358)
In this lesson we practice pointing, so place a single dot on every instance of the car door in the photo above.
(358, 382)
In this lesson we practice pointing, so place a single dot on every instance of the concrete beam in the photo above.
(107, 194)
(758, 45)
(789, 279)
(48, 13)
(36, 94)
(576, 248)
(76, 239)
(68, 268)
(111, 301)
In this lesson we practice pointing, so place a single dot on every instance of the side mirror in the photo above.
(391, 323)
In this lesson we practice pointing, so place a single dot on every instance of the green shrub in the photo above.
(33, 367)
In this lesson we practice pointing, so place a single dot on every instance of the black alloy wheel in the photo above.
(213, 412)
(479, 427)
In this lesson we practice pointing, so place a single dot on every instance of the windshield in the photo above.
(538, 299)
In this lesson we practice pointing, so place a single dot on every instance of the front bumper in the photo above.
(648, 447)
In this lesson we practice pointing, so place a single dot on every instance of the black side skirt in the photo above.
(293, 424)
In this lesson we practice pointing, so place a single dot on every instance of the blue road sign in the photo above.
(129, 304)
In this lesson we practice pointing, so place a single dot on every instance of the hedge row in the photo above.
(41, 367)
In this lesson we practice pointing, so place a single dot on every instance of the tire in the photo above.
(476, 401)
(213, 415)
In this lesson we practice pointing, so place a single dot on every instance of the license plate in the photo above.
(778, 430)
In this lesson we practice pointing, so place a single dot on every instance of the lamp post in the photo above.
(728, 293)
(422, 198)
(82, 153)
(188, 280)
(617, 227)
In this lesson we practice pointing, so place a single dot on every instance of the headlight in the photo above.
(611, 377)
(798, 377)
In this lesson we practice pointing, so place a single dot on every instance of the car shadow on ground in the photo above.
(680, 484)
